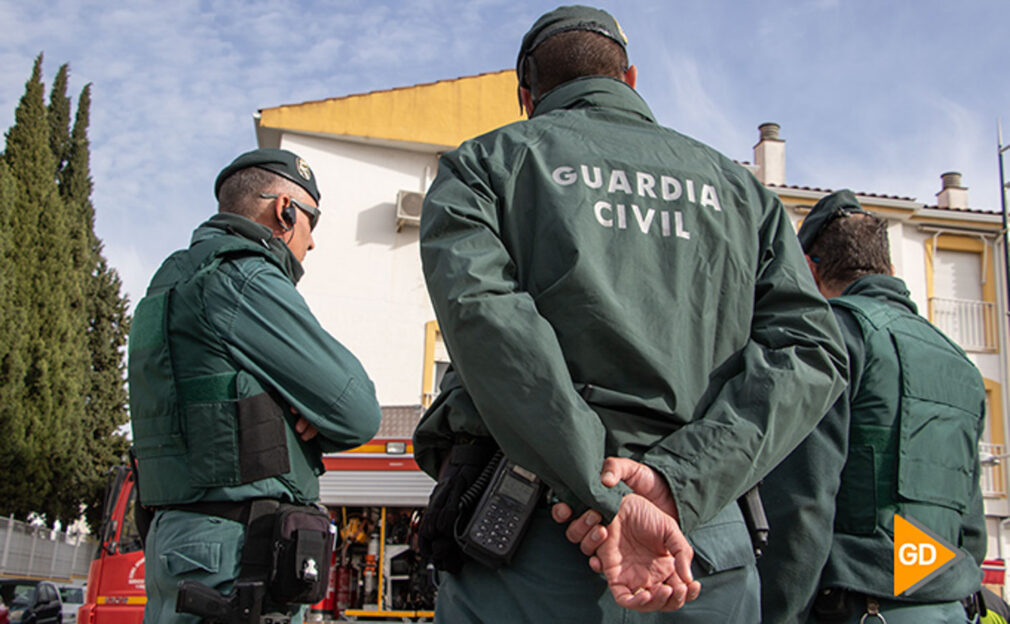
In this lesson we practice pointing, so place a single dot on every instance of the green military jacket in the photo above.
(607, 286)
(903, 439)
(224, 357)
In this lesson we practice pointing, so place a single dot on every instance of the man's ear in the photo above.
(279, 207)
(631, 76)
(813, 270)
(527, 99)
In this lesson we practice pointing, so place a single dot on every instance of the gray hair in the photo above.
(240, 193)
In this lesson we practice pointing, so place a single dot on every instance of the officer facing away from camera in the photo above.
(608, 287)
(902, 440)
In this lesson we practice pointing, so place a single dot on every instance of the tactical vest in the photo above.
(198, 421)
(914, 427)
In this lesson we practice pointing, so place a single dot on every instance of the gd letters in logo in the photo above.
(919, 555)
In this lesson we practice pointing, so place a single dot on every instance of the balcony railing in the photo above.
(969, 323)
(992, 478)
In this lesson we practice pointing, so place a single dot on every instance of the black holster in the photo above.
(242, 606)
(286, 555)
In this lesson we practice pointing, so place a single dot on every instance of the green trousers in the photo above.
(190, 546)
(550, 581)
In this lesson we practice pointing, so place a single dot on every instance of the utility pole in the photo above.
(1005, 236)
(1000, 148)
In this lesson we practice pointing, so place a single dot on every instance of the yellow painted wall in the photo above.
(993, 393)
(431, 335)
(443, 113)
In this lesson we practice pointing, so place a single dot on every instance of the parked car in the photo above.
(72, 597)
(31, 601)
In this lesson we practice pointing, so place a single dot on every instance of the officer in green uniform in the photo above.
(902, 440)
(235, 388)
(609, 287)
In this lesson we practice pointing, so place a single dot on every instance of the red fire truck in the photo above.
(116, 577)
(375, 494)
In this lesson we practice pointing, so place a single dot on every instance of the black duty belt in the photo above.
(237, 511)
(257, 515)
(835, 604)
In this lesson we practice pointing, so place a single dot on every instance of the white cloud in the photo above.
(691, 103)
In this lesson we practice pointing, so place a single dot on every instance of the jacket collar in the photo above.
(594, 92)
(887, 287)
(225, 223)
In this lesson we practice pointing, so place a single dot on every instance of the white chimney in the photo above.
(770, 156)
(952, 195)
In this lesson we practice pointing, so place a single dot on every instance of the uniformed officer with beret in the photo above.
(903, 440)
(608, 287)
(235, 388)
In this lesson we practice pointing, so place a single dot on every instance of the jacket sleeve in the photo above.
(767, 398)
(799, 498)
(273, 335)
(506, 354)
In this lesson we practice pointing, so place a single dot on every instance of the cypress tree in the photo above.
(105, 409)
(63, 321)
(14, 450)
(6, 266)
(58, 115)
(75, 471)
(30, 162)
(51, 294)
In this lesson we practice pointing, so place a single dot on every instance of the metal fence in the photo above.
(971, 324)
(992, 480)
(35, 551)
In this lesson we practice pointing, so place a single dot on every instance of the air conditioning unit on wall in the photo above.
(408, 209)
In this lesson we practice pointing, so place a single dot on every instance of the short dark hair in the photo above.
(573, 54)
(240, 192)
(851, 247)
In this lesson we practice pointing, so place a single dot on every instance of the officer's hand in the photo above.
(581, 531)
(305, 430)
(646, 559)
(642, 480)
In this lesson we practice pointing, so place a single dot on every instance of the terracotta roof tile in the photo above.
(399, 421)
(824, 190)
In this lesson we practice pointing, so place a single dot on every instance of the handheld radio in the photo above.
(502, 516)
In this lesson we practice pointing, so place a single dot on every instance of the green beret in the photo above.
(838, 204)
(564, 19)
(281, 162)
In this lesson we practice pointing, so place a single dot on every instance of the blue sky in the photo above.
(881, 97)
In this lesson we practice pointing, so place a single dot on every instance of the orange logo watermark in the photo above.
(918, 555)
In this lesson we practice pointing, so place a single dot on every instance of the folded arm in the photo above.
(275, 337)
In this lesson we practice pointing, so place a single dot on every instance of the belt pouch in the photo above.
(303, 542)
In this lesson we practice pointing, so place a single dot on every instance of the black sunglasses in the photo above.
(312, 211)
